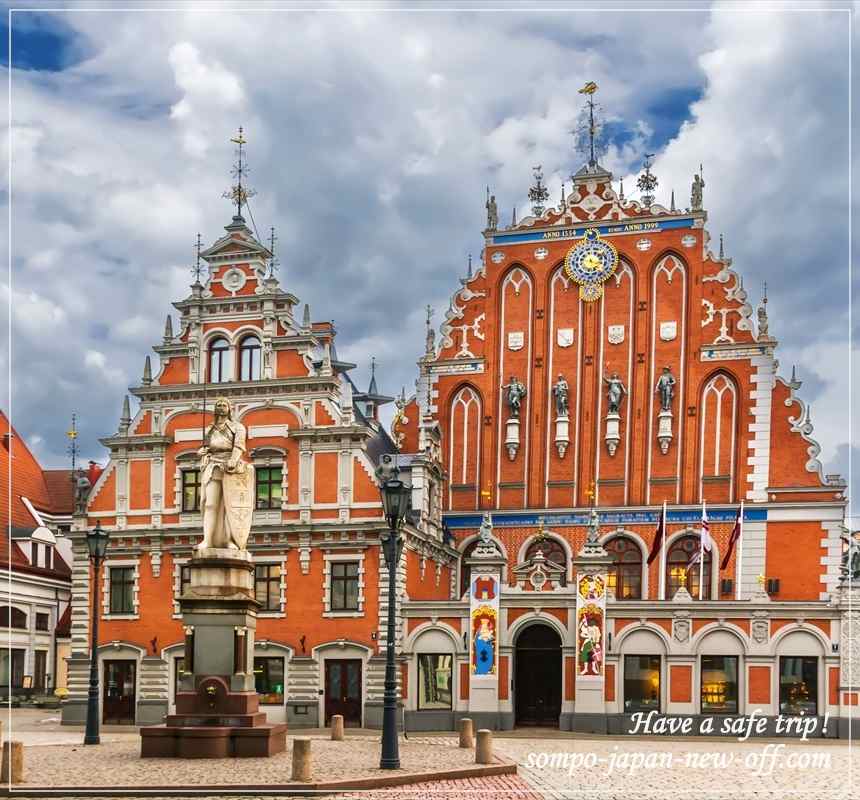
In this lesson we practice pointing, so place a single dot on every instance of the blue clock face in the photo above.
(589, 263)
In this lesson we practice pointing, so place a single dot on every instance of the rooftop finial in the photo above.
(761, 314)
(238, 193)
(273, 262)
(306, 317)
(538, 193)
(72, 448)
(372, 388)
(514, 218)
(647, 182)
(672, 203)
(588, 130)
(469, 269)
(621, 191)
(722, 252)
(562, 195)
(430, 337)
(168, 329)
(147, 372)
(196, 269)
(125, 419)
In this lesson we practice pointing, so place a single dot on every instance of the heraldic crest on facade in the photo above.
(590, 263)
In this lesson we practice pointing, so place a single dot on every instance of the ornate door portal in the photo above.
(537, 681)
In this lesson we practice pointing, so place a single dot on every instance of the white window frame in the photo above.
(178, 564)
(328, 559)
(272, 560)
(135, 593)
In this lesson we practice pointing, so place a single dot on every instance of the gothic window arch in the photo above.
(718, 438)
(625, 574)
(681, 572)
(553, 551)
(249, 358)
(220, 361)
(464, 456)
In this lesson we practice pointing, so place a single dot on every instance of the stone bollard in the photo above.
(467, 733)
(484, 750)
(337, 728)
(302, 759)
(12, 770)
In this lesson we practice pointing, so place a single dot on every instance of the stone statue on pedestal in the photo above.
(516, 391)
(666, 389)
(226, 483)
(615, 393)
(561, 392)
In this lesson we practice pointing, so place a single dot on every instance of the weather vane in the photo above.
(273, 262)
(647, 182)
(72, 449)
(196, 269)
(238, 193)
(589, 128)
(538, 193)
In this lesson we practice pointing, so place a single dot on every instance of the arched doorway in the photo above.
(537, 677)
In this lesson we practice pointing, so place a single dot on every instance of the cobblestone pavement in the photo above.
(710, 769)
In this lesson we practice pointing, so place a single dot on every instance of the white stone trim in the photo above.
(759, 442)
(264, 431)
(831, 543)
(178, 564)
(135, 595)
(328, 558)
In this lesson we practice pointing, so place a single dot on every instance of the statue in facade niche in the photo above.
(226, 483)
(666, 389)
(561, 392)
(615, 392)
(515, 392)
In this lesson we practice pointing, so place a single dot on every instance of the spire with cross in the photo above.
(239, 193)
(197, 268)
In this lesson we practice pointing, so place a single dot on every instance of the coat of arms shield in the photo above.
(564, 337)
(238, 492)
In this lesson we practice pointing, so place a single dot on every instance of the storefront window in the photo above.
(641, 683)
(269, 680)
(719, 684)
(798, 685)
(434, 681)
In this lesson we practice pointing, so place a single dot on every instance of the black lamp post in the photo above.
(395, 502)
(97, 540)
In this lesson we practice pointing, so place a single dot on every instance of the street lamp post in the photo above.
(97, 540)
(395, 502)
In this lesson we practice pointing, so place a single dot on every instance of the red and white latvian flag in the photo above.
(734, 538)
(659, 535)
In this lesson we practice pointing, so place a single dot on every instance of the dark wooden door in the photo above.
(119, 692)
(343, 690)
(537, 677)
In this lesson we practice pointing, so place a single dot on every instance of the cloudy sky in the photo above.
(372, 134)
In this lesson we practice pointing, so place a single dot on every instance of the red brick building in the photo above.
(552, 302)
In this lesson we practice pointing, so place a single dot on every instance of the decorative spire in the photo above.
(647, 182)
(514, 218)
(72, 448)
(722, 253)
(168, 329)
(372, 388)
(469, 268)
(538, 193)
(125, 419)
(197, 268)
(238, 193)
(621, 190)
(273, 262)
(430, 337)
(562, 195)
(147, 372)
(589, 126)
(672, 203)
(761, 313)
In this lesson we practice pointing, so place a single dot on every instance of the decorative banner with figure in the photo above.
(484, 616)
(590, 624)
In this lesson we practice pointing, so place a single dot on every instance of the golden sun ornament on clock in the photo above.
(589, 263)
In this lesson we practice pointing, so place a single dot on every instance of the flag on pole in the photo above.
(706, 543)
(659, 535)
(734, 538)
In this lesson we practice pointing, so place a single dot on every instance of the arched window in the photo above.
(552, 551)
(11, 617)
(220, 362)
(680, 572)
(249, 359)
(465, 569)
(625, 575)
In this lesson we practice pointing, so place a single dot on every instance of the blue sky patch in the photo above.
(42, 42)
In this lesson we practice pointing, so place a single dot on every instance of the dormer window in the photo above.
(220, 362)
(249, 359)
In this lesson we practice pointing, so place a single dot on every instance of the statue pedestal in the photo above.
(562, 434)
(664, 430)
(613, 431)
(512, 437)
(217, 707)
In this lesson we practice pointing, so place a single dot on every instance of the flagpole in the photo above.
(739, 559)
(702, 551)
(663, 556)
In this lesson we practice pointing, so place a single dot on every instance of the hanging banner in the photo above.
(590, 624)
(483, 631)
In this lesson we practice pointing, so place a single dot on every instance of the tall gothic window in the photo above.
(552, 552)
(249, 359)
(625, 575)
(220, 362)
(680, 572)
